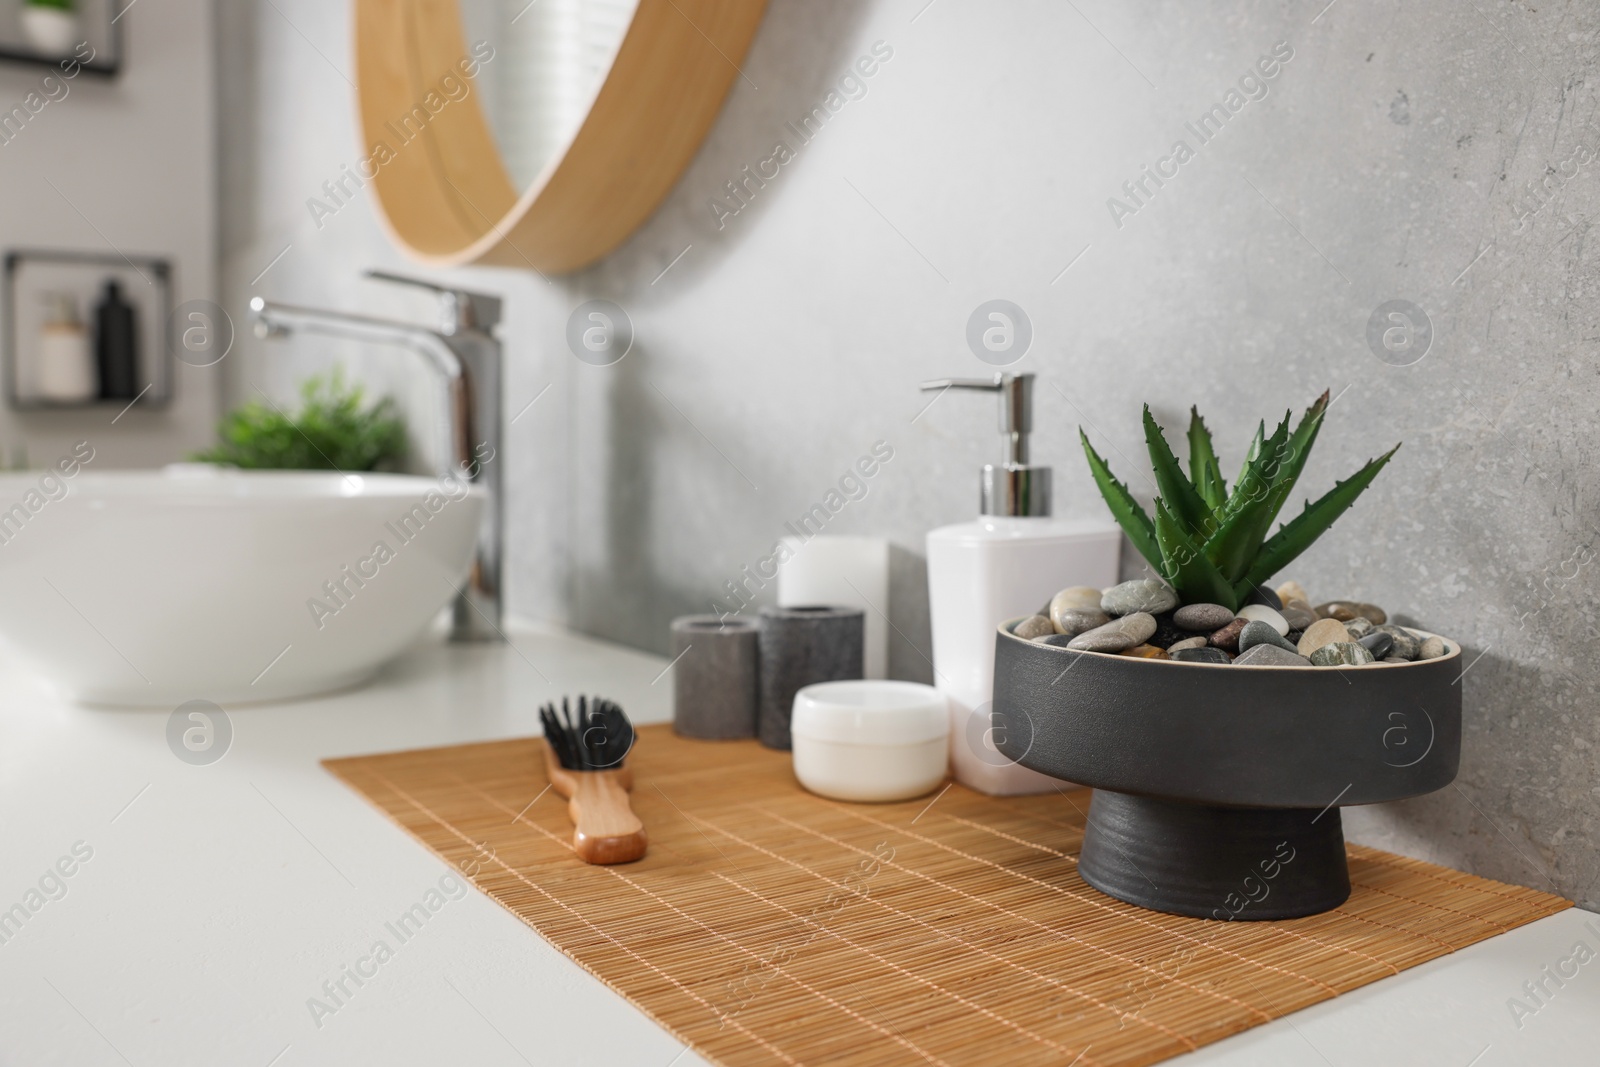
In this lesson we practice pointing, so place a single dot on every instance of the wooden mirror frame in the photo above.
(453, 201)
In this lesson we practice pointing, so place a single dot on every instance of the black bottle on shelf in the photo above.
(116, 344)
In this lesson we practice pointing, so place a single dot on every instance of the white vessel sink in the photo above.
(159, 587)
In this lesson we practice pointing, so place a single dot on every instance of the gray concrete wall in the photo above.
(1389, 159)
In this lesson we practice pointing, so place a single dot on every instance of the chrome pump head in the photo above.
(1013, 488)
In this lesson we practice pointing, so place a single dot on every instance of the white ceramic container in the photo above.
(870, 740)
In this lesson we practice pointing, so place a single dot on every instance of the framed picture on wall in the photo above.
(73, 36)
(82, 328)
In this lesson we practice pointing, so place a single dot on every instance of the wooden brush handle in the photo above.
(607, 829)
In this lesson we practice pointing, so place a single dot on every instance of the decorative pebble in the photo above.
(1117, 634)
(1202, 617)
(1034, 626)
(1270, 656)
(1298, 614)
(1201, 655)
(1294, 636)
(1053, 640)
(1432, 648)
(1259, 632)
(1074, 622)
(1345, 610)
(1379, 644)
(1263, 595)
(1227, 638)
(1144, 652)
(1322, 632)
(1394, 659)
(1267, 614)
(1187, 642)
(1074, 598)
(1341, 654)
(1407, 645)
(1140, 595)
(1360, 627)
(1293, 591)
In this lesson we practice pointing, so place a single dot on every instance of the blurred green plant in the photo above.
(331, 431)
(58, 5)
(1210, 544)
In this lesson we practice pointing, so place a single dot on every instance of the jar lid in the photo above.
(870, 712)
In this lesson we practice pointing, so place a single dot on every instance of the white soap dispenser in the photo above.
(1008, 563)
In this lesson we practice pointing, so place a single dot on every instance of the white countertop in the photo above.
(217, 899)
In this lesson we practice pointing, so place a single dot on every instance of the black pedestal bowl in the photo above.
(1217, 788)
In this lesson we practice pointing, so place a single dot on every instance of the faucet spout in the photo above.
(466, 355)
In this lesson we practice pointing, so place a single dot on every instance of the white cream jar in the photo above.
(870, 740)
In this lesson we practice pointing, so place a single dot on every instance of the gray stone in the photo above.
(1054, 640)
(1432, 648)
(1407, 645)
(1202, 618)
(1341, 654)
(1379, 644)
(1198, 641)
(1201, 655)
(1034, 626)
(1263, 595)
(1141, 594)
(1270, 655)
(1265, 613)
(1297, 616)
(1117, 634)
(1359, 627)
(1258, 632)
(1073, 622)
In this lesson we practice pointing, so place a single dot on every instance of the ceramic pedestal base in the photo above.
(1214, 862)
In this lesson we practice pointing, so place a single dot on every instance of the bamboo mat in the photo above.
(769, 926)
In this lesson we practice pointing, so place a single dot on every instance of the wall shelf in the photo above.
(146, 283)
(100, 27)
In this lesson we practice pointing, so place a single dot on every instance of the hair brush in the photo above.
(583, 756)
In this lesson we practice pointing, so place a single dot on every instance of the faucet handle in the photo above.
(460, 309)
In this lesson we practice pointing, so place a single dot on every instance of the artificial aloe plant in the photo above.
(1212, 544)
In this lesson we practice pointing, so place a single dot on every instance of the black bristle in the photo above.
(598, 738)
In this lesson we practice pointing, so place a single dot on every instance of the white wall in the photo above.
(134, 160)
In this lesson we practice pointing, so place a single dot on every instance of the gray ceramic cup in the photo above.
(715, 663)
(801, 646)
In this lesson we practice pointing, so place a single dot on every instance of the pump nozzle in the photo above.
(1014, 488)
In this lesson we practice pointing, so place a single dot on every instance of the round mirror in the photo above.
(536, 133)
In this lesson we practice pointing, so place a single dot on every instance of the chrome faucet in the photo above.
(466, 353)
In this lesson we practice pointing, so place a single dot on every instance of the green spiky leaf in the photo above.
(1212, 544)
(1250, 508)
(1185, 566)
(1179, 493)
(1253, 451)
(1298, 448)
(1126, 510)
(1204, 470)
(1297, 535)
